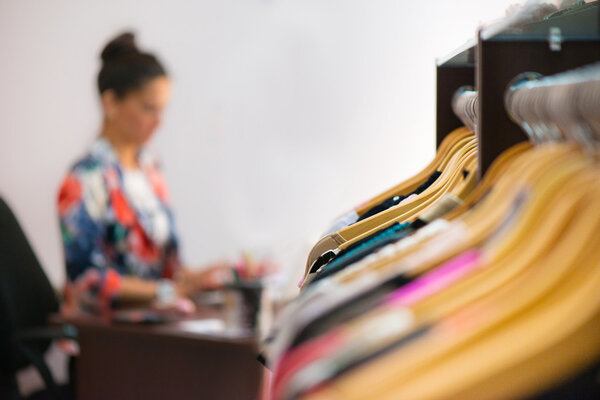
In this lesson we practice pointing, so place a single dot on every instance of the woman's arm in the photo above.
(186, 282)
(213, 277)
(137, 290)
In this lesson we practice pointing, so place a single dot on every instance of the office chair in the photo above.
(26, 301)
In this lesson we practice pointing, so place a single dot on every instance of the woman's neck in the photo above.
(126, 151)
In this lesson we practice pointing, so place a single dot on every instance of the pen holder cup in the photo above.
(243, 305)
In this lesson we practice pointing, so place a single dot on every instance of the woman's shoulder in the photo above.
(97, 158)
(87, 172)
(84, 184)
(86, 164)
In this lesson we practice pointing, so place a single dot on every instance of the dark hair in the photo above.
(125, 68)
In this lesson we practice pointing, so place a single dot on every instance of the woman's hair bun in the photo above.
(123, 44)
(125, 68)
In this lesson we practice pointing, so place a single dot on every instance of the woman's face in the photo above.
(136, 116)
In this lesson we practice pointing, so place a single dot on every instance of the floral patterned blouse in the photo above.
(117, 220)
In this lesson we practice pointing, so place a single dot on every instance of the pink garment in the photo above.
(297, 358)
(301, 282)
(436, 280)
(409, 198)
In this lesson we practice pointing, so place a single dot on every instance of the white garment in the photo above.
(342, 222)
(140, 193)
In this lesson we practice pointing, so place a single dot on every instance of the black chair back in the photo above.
(26, 296)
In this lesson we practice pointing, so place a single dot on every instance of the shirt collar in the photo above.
(103, 151)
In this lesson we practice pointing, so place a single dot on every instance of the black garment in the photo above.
(395, 200)
(384, 205)
(356, 306)
(418, 224)
(330, 256)
(403, 341)
(392, 227)
(395, 233)
(323, 259)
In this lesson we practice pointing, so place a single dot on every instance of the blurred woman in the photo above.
(114, 207)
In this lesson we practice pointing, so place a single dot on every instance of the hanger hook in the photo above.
(462, 100)
(512, 103)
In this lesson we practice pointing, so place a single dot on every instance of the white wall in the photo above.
(284, 114)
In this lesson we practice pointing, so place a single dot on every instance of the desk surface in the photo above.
(177, 328)
(159, 361)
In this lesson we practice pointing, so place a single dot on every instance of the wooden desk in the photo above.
(126, 361)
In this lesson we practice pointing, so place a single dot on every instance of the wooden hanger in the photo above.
(454, 178)
(454, 142)
(499, 166)
(385, 218)
(483, 220)
(412, 209)
(448, 171)
(411, 184)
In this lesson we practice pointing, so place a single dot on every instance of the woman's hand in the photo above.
(214, 277)
(78, 296)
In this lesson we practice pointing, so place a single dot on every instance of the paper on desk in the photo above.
(204, 326)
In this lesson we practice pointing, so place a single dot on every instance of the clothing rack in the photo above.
(464, 104)
(558, 107)
(564, 41)
(547, 47)
(452, 72)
